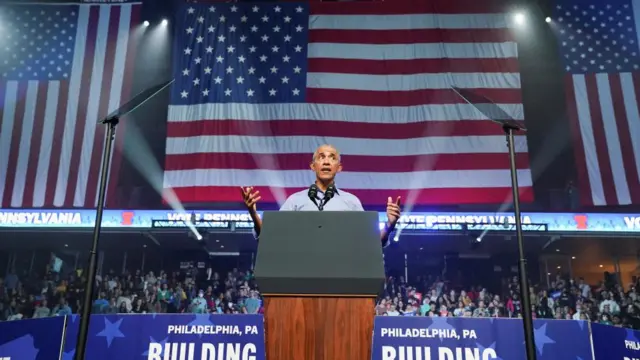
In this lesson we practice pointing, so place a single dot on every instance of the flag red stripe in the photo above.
(404, 7)
(413, 66)
(354, 163)
(83, 99)
(405, 98)
(36, 140)
(624, 135)
(132, 45)
(16, 135)
(103, 108)
(332, 128)
(409, 36)
(579, 152)
(58, 133)
(446, 196)
(600, 139)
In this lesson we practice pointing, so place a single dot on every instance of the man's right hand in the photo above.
(250, 198)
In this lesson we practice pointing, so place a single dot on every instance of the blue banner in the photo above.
(38, 339)
(240, 220)
(171, 336)
(614, 343)
(446, 338)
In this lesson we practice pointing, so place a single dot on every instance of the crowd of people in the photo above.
(193, 290)
(187, 291)
(605, 303)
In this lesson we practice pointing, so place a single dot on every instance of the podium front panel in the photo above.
(320, 253)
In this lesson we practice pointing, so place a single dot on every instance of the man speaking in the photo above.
(323, 194)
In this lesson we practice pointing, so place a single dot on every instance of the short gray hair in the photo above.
(315, 153)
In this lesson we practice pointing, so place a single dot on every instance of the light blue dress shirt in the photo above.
(341, 201)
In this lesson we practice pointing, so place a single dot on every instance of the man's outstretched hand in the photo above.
(250, 197)
(393, 211)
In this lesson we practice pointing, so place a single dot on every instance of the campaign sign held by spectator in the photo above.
(448, 338)
(175, 336)
(33, 339)
(615, 343)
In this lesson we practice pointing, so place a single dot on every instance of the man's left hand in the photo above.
(393, 211)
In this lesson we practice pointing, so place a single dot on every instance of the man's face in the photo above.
(326, 163)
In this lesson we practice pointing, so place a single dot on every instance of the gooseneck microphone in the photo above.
(328, 195)
(313, 195)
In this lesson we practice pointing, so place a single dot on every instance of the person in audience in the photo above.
(42, 310)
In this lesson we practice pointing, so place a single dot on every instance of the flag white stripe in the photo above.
(614, 151)
(24, 147)
(588, 140)
(117, 79)
(633, 116)
(46, 144)
(388, 52)
(75, 82)
(348, 180)
(8, 121)
(346, 113)
(348, 146)
(408, 22)
(413, 81)
(93, 106)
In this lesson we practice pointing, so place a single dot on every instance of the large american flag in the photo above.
(599, 47)
(260, 86)
(62, 68)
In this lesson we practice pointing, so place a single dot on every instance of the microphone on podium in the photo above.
(328, 195)
(313, 195)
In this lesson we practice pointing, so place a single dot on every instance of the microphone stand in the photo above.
(111, 121)
(494, 113)
(527, 314)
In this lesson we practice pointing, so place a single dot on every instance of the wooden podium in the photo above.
(319, 273)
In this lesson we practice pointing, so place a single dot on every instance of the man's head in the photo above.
(326, 163)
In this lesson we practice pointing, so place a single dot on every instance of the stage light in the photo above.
(165, 22)
(145, 23)
(547, 19)
(519, 18)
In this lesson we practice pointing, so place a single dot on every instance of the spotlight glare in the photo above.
(519, 18)
(547, 19)
(165, 22)
(145, 23)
